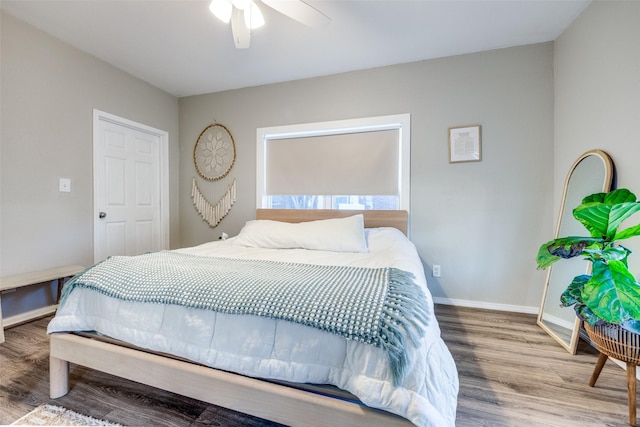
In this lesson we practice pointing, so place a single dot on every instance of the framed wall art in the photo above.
(465, 144)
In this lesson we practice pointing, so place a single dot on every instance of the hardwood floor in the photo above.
(511, 374)
(24, 384)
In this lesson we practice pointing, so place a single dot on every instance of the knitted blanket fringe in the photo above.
(403, 317)
(378, 306)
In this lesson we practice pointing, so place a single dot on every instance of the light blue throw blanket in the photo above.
(377, 306)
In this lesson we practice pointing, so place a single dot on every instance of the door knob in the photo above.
(102, 215)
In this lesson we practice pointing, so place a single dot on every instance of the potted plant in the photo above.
(610, 294)
(608, 299)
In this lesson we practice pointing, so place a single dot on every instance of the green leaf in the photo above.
(595, 198)
(594, 217)
(573, 294)
(565, 247)
(612, 253)
(544, 259)
(586, 314)
(618, 214)
(628, 232)
(620, 195)
(602, 216)
(612, 293)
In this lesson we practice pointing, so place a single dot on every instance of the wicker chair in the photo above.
(614, 341)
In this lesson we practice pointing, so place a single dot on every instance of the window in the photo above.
(346, 164)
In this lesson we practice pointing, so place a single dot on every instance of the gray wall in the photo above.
(597, 95)
(49, 91)
(482, 222)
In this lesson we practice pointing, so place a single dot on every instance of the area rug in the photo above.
(49, 415)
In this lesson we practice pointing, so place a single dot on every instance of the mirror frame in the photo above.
(572, 346)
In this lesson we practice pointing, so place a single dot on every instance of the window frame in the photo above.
(401, 122)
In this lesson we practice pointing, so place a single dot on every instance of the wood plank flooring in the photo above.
(511, 374)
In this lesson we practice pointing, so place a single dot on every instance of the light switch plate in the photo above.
(65, 185)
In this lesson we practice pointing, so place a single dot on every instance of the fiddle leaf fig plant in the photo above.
(610, 294)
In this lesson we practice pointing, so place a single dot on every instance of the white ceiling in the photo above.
(180, 47)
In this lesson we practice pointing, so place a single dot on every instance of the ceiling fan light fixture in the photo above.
(221, 9)
(241, 4)
(245, 15)
(241, 34)
(253, 16)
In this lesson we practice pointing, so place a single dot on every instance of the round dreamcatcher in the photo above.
(214, 152)
(213, 156)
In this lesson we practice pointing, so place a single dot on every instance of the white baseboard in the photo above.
(29, 315)
(486, 305)
(563, 323)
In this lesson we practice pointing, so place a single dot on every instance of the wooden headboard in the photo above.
(372, 218)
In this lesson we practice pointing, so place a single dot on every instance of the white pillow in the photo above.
(336, 234)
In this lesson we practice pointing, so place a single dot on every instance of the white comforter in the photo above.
(274, 349)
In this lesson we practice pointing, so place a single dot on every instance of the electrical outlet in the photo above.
(436, 270)
(65, 185)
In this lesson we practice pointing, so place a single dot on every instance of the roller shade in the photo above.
(362, 163)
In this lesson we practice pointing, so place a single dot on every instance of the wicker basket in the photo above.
(616, 342)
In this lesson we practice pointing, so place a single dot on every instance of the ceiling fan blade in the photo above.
(300, 11)
(241, 34)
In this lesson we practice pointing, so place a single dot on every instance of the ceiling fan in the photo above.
(245, 15)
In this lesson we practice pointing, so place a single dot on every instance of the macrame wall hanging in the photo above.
(213, 156)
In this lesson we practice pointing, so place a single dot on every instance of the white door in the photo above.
(128, 188)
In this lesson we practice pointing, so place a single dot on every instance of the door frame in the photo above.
(163, 136)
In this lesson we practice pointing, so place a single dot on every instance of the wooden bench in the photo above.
(27, 279)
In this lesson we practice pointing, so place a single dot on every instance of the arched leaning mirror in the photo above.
(591, 173)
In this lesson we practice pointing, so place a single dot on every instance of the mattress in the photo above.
(284, 351)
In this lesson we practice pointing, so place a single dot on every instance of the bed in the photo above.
(291, 372)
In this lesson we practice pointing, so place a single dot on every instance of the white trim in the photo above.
(486, 305)
(164, 168)
(555, 320)
(402, 122)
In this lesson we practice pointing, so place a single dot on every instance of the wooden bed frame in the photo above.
(257, 397)
(372, 218)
